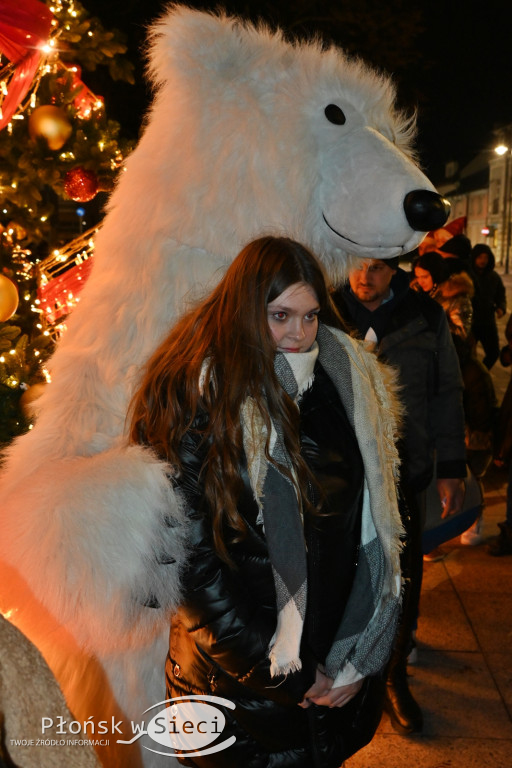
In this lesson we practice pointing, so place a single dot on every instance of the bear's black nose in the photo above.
(426, 210)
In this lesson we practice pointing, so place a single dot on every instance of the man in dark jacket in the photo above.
(411, 332)
(489, 302)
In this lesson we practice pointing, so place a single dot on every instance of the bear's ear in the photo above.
(193, 44)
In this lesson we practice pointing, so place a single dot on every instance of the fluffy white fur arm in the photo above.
(95, 538)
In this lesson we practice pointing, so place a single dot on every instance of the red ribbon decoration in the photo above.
(55, 295)
(24, 26)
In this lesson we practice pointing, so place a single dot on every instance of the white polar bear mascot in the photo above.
(248, 135)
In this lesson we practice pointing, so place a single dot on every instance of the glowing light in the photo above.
(501, 149)
(47, 47)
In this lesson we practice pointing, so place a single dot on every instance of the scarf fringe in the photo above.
(284, 653)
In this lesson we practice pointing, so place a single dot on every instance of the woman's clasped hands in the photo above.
(324, 695)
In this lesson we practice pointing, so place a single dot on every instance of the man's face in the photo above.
(370, 282)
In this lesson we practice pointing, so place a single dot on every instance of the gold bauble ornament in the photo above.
(8, 298)
(50, 123)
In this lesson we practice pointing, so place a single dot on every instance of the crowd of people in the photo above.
(303, 424)
(464, 281)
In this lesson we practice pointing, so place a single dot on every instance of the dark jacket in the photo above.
(414, 337)
(220, 636)
(480, 403)
(479, 399)
(503, 450)
(490, 293)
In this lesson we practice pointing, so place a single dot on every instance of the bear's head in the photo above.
(251, 134)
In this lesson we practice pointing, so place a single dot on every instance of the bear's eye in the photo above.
(334, 114)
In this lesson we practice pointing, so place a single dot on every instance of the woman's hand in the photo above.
(324, 695)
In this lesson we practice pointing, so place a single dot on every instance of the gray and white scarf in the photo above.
(366, 388)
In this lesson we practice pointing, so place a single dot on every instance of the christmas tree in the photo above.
(57, 149)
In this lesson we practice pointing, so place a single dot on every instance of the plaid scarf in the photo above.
(364, 638)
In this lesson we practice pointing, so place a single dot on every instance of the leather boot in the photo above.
(403, 709)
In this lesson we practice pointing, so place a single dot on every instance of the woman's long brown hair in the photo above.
(216, 356)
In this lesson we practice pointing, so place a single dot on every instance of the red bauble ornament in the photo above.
(80, 184)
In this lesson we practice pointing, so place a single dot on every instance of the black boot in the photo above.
(403, 709)
(503, 544)
(399, 703)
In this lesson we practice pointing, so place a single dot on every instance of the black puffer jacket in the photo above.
(220, 636)
(415, 338)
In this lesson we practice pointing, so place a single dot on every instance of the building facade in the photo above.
(481, 192)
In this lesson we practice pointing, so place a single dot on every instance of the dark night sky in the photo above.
(461, 81)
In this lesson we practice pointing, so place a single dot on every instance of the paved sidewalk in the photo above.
(463, 679)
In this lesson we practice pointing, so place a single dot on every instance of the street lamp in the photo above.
(502, 149)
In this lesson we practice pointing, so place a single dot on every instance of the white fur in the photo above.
(236, 145)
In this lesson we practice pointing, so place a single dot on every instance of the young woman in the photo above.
(280, 431)
(428, 272)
